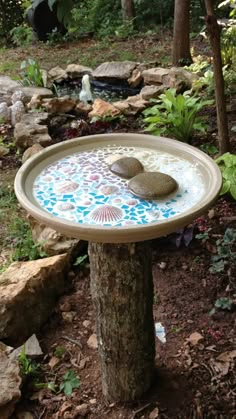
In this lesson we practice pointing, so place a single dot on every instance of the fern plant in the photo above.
(176, 115)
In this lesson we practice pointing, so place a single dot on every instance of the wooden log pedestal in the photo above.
(122, 292)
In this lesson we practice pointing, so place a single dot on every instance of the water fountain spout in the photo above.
(86, 94)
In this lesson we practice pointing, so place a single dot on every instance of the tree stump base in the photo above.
(122, 292)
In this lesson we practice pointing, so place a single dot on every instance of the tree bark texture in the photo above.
(122, 292)
(128, 9)
(213, 30)
(181, 43)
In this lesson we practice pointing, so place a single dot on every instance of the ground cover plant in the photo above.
(194, 270)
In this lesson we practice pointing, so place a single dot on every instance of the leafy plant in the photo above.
(70, 381)
(21, 35)
(59, 351)
(28, 367)
(228, 41)
(209, 148)
(224, 303)
(20, 238)
(225, 252)
(33, 75)
(227, 165)
(176, 115)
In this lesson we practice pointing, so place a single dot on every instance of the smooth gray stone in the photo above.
(152, 185)
(127, 167)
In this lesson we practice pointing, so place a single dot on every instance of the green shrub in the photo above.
(21, 35)
(227, 165)
(176, 115)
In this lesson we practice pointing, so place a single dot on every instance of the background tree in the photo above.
(128, 10)
(181, 41)
(213, 30)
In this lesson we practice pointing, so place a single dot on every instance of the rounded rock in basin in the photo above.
(127, 167)
(152, 185)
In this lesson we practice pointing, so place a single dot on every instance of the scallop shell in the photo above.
(66, 187)
(106, 214)
(65, 206)
(109, 189)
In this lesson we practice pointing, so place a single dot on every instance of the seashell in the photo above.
(109, 189)
(66, 187)
(65, 206)
(106, 214)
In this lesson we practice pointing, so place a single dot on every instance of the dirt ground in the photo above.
(193, 378)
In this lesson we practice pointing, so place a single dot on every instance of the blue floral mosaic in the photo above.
(81, 188)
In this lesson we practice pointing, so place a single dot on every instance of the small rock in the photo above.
(127, 167)
(154, 414)
(152, 185)
(82, 410)
(66, 306)
(93, 401)
(163, 265)
(92, 341)
(68, 316)
(54, 361)
(82, 363)
(194, 338)
(86, 323)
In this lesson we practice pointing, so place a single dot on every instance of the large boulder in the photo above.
(77, 71)
(155, 75)
(59, 104)
(179, 78)
(102, 109)
(57, 74)
(51, 241)
(151, 92)
(114, 70)
(28, 134)
(132, 105)
(7, 85)
(30, 91)
(28, 293)
(10, 383)
(176, 77)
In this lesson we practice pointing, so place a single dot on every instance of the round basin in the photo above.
(70, 187)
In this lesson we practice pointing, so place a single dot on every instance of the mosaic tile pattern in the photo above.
(81, 188)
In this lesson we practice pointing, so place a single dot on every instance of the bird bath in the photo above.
(70, 187)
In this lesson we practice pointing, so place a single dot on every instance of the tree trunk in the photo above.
(213, 30)
(181, 43)
(127, 9)
(122, 292)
